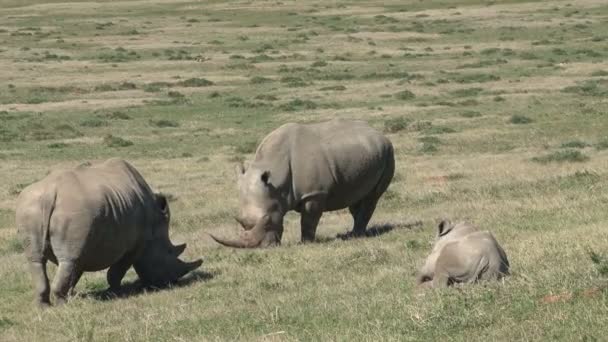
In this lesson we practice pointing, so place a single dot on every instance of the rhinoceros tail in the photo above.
(389, 169)
(47, 206)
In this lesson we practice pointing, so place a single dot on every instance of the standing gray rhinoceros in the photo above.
(91, 218)
(463, 254)
(312, 169)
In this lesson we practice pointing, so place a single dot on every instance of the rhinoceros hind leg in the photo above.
(362, 212)
(66, 278)
(41, 282)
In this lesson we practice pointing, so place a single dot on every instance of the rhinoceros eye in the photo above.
(265, 177)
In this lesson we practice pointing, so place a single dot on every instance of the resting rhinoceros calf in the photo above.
(312, 169)
(463, 254)
(91, 218)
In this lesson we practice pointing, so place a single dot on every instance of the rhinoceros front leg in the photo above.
(117, 271)
(309, 220)
(65, 279)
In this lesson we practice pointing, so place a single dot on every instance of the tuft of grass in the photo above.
(520, 119)
(600, 262)
(114, 141)
(394, 125)
(571, 156)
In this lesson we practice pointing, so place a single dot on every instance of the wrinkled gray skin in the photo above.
(91, 218)
(463, 254)
(312, 169)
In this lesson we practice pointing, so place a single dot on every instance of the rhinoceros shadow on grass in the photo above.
(378, 229)
(137, 287)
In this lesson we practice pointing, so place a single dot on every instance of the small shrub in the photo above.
(519, 119)
(420, 125)
(118, 115)
(93, 122)
(589, 88)
(599, 73)
(334, 88)
(16, 245)
(318, 64)
(298, 104)
(404, 95)
(430, 140)
(259, 80)
(428, 148)
(266, 97)
(574, 144)
(470, 114)
(57, 145)
(114, 141)
(572, 156)
(439, 130)
(394, 125)
(602, 145)
(155, 87)
(195, 82)
(293, 81)
(466, 92)
(246, 147)
(164, 123)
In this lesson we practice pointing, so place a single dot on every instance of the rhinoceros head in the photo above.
(261, 210)
(159, 263)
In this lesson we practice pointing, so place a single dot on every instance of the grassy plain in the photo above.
(497, 109)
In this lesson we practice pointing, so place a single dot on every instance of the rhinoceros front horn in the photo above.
(249, 238)
(187, 267)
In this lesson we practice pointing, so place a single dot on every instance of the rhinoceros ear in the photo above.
(444, 227)
(265, 177)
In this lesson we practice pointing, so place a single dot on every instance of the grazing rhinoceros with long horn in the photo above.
(91, 218)
(463, 254)
(311, 169)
